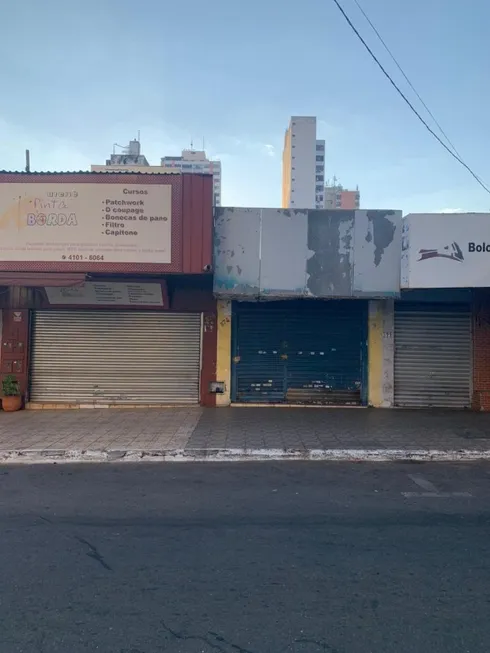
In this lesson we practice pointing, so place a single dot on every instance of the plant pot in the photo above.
(11, 404)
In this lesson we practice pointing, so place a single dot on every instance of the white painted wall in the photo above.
(303, 162)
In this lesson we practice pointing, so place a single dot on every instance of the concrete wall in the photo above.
(281, 253)
(381, 353)
(481, 350)
(223, 358)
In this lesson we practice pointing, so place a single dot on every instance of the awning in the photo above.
(42, 279)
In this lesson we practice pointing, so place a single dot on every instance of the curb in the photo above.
(46, 456)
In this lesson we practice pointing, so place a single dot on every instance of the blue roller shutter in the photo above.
(258, 365)
(300, 352)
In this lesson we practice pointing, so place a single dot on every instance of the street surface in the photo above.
(245, 558)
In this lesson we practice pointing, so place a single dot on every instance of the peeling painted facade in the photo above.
(262, 254)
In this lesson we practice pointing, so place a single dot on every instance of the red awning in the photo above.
(42, 279)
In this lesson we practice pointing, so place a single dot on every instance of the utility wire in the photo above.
(406, 77)
(404, 97)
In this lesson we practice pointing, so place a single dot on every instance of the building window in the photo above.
(320, 158)
(319, 189)
(319, 168)
(319, 177)
(320, 148)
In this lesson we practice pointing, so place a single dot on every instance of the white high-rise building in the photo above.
(195, 161)
(303, 165)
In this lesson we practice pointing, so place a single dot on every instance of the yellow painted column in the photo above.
(381, 353)
(375, 353)
(223, 358)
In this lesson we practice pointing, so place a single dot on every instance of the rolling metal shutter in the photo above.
(115, 357)
(258, 364)
(304, 352)
(433, 357)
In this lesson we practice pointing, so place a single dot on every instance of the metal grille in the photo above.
(116, 357)
(299, 352)
(433, 359)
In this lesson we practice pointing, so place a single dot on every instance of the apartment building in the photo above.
(303, 165)
(338, 197)
(195, 161)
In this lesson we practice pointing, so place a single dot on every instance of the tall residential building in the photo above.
(303, 165)
(196, 161)
(338, 197)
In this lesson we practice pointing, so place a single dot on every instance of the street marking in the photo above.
(430, 489)
(437, 495)
(423, 483)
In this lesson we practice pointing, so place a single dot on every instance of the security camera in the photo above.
(207, 268)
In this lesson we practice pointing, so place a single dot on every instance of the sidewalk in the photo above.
(239, 433)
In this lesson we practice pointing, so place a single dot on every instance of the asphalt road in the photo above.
(245, 558)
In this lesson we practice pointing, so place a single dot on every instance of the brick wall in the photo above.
(481, 352)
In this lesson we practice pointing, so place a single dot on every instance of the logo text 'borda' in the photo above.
(52, 220)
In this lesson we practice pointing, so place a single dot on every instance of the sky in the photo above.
(77, 77)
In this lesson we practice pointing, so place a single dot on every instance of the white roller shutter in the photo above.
(433, 359)
(115, 357)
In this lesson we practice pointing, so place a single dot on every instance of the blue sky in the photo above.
(78, 76)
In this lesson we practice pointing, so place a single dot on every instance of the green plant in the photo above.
(10, 386)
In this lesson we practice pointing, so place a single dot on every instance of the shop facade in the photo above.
(433, 350)
(119, 310)
(441, 328)
(294, 291)
(297, 352)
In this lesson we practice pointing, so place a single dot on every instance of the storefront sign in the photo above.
(107, 294)
(89, 223)
(446, 250)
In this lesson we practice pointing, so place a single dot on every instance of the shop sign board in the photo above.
(106, 294)
(86, 223)
(441, 250)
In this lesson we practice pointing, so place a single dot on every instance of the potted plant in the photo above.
(11, 398)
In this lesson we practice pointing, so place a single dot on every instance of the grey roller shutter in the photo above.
(115, 357)
(433, 358)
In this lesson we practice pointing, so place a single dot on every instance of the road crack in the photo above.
(216, 645)
(94, 553)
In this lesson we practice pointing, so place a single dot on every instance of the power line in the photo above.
(406, 77)
(404, 97)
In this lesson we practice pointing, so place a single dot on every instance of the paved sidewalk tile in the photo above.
(337, 428)
(100, 429)
(252, 429)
